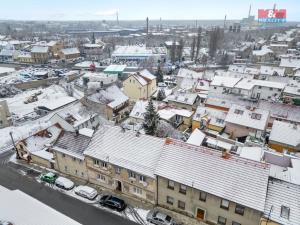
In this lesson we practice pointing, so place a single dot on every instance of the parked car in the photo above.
(64, 183)
(160, 218)
(86, 192)
(49, 177)
(112, 202)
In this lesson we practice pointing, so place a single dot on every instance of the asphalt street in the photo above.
(12, 178)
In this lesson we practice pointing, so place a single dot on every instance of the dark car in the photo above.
(112, 202)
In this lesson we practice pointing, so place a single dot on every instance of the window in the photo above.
(171, 184)
(285, 212)
(66, 168)
(235, 223)
(221, 220)
(104, 164)
(181, 204)
(256, 116)
(238, 111)
(132, 175)
(170, 200)
(202, 196)
(63, 155)
(219, 120)
(271, 89)
(259, 87)
(182, 189)
(224, 204)
(215, 87)
(74, 159)
(239, 209)
(142, 178)
(82, 174)
(118, 170)
(96, 162)
(137, 190)
(101, 177)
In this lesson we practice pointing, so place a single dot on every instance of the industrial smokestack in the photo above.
(147, 25)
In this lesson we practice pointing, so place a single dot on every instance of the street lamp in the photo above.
(12, 140)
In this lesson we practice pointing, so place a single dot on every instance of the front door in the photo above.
(119, 186)
(200, 214)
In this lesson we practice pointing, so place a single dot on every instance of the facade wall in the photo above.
(117, 179)
(40, 161)
(211, 206)
(237, 131)
(134, 90)
(70, 165)
(281, 147)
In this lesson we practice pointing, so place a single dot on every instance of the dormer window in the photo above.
(238, 111)
(256, 116)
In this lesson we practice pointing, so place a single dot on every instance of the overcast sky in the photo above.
(139, 9)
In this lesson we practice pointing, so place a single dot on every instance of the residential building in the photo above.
(183, 100)
(125, 162)
(290, 64)
(263, 55)
(222, 84)
(211, 186)
(54, 48)
(187, 79)
(93, 51)
(140, 85)
(68, 153)
(40, 54)
(25, 57)
(242, 121)
(69, 53)
(267, 71)
(285, 137)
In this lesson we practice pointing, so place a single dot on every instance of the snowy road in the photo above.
(12, 178)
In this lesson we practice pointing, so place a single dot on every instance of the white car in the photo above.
(64, 183)
(86, 192)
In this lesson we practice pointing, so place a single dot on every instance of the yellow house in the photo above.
(25, 57)
(285, 136)
(210, 118)
(140, 85)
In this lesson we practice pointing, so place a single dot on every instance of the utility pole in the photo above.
(249, 14)
(13, 141)
(225, 21)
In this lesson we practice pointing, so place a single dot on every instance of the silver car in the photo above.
(160, 218)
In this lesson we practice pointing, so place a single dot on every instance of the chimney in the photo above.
(225, 154)
(138, 133)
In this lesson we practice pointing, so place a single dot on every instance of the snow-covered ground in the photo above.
(50, 94)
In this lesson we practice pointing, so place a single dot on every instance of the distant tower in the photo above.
(225, 22)
(147, 26)
(249, 14)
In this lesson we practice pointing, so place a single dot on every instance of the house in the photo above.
(68, 153)
(5, 116)
(25, 57)
(285, 136)
(125, 162)
(178, 118)
(242, 121)
(8, 54)
(183, 100)
(76, 119)
(291, 93)
(40, 54)
(289, 64)
(54, 48)
(267, 71)
(211, 186)
(69, 53)
(138, 111)
(209, 118)
(140, 85)
(279, 49)
(93, 51)
(282, 203)
(187, 79)
(196, 138)
(110, 102)
(259, 89)
(115, 70)
(222, 84)
(37, 147)
(263, 55)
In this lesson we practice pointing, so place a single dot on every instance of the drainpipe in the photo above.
(156, 202)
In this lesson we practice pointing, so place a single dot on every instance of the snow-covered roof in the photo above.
(168, 113)
(132, 51)
(86, 132)
(248, 84)
(92, 45)
(29, 210)
(264, 51)
(196, 138)
(147, 75)
(72, 144)
(216, 117)
(70, 51)
(139, 78)
(286, 133)
(235, 179)
(221, 81)
(280, 194)
(62, 101)
(139, 109)
(51, 43)
(40, 49)
(271, 70)
(126, 149)
(240, 115)
(42, 139)
(115, 68)
(183, 72)
(290, 63)
(185, 98)
(253, 153)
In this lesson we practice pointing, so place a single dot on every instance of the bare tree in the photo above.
(198, 45)
(180, 49)
(215, 37)
(193, 48)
